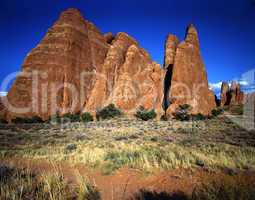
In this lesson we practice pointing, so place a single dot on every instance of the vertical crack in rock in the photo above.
(167, 86)
(169, 57)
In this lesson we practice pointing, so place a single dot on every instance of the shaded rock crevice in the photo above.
(167, 86)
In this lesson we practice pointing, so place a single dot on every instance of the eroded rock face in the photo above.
(237, 96)
(109, 37)
(72, 48)
(224, 94)
(189, 84)
(75, 68)
(231, 95)
(130, 78)
(170, 50)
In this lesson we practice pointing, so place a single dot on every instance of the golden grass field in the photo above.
(213, 145)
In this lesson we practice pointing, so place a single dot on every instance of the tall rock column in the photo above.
(169, 58)
(237, 96)
(224, 94)
(189, 84)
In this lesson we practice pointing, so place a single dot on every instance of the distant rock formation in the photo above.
(187, 79)
(224, 94)
(231, 95)
(237, 96)
(75, 68)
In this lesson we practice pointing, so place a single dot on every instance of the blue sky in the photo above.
(226, 28)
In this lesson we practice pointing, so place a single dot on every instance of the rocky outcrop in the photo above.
(129, 78)
(73, 49)
(170, 50)
(224, 94)
(188, 82)
(237, 96)
(109, 37)
(75, 68)
(231, 95)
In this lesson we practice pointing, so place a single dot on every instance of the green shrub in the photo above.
(70, 148)
(108, 112)
(224, 190)
(182, 113)
(217, 112)
(70, 117)
(55, 119)
(86, 117)
(198, 117)
(23, 120)
(144, 114)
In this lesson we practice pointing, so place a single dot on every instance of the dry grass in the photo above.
(148, 146)
(23, 184)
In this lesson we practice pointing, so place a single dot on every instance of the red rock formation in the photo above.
(129, 78)
(170, 50)
(77, 68)
(231, 95)
(109, 37)
(224, 94)
(237, 96)
(189, 84)
(72, 46)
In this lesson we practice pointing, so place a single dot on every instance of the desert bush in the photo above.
(217, 112)
(198, 117)
(55, 119)
(224, 190)
(70, 117)
(145, 114)
(23, 120)
(108, 112)
(86, 117)
(70, 147)
(182, 113)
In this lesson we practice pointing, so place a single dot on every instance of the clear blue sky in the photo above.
(226, 28)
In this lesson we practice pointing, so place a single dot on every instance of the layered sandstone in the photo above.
(129, 78)
(232, 95)
(75, 68)
(73, 49)
(237, 96)
(189, 84)
(224, 97)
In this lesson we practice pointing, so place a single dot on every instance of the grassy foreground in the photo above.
(148, 146)
(210, 145)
